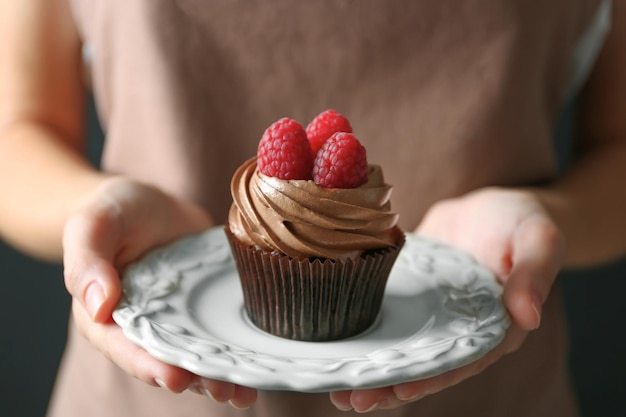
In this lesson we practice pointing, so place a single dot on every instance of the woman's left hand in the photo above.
(510, 232)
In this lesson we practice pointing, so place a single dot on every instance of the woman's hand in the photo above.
(508, 231)
(117, 223)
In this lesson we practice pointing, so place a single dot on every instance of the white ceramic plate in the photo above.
(183, 304)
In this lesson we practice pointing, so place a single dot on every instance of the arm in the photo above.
(589, 202)
(42, 175)
(54, 205)
(526, 235)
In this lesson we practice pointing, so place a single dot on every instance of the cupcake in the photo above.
(311, 232)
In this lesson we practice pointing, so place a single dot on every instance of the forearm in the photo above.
(42, 180)
(589, 205)
(42, 101)
(589, 202)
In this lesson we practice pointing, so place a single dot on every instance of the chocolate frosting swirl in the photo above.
(302, 219)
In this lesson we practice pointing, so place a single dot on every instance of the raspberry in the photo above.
(341, 162)
(323, 126)
(284, 151)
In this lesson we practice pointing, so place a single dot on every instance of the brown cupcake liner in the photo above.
(312, 299)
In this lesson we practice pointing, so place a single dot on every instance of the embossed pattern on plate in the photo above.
(183, 304)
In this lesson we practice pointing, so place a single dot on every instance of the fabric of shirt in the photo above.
(446, 96)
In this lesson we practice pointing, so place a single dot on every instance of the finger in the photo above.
(238, 396)
(538, 254)
(366, 400)
(341, 400)
(244, 397)
(109, 339)
(217, 390)
(89, 242)
(387, 401)
(392, 397)
(415, 390)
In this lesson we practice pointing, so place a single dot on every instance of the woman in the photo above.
(457, 102)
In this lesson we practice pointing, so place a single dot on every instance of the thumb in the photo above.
(538, 252)
(88, 252)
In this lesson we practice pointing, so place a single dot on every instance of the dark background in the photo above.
(34, 309)
(34, 312)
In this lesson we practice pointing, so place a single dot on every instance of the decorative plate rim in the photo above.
(470, 320)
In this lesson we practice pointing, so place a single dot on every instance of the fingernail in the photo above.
(207, 393)
(407, 395)
(346, 408)
(411, 397)
(94, 297)
(536, 306)
(195, 388)
(160, 383)
(371, 408)
(236, 406)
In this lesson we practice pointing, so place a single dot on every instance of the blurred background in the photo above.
(34, 309)
(34, 312)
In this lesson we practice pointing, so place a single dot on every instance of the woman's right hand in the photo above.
(117, 223)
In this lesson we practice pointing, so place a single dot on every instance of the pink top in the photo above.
(446, 96)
